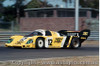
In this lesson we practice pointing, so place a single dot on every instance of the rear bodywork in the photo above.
(52, 39)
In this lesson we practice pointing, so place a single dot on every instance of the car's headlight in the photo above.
(10, 40)
(29, 41)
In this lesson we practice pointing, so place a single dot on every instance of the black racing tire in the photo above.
(17, 47)
(75, 43)
(65, 45)
(40, 43)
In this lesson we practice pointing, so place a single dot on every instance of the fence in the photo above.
(93, 24)
(7, 26)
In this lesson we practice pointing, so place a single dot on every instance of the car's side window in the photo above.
(40, 33)
(48, 33)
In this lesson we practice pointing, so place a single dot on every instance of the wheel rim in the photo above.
(76, 44)
(40, 43)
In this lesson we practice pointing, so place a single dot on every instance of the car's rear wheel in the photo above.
(75, 43)
(39, 43)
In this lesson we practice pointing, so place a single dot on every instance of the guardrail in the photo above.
(4, 36)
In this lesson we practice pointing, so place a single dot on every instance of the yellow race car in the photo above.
(49, 39)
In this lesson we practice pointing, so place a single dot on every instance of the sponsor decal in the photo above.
(58, 40)
(69, 41)
(28, 45)
(83, 37)
(85, 33)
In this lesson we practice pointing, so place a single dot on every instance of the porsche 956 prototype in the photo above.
(49, 39)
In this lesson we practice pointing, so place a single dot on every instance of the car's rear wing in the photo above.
(83, 35)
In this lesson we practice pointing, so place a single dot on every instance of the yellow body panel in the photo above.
(17, 43)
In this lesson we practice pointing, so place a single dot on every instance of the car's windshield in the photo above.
(35, 33)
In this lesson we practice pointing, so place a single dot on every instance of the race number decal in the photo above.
(49, 41)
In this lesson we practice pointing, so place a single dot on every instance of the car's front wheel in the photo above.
(39, 43)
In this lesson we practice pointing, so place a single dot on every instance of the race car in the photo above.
(41, 38)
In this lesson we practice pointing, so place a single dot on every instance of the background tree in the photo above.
(17, 10)
(88, 3)
(65, 2)
(10, 12)
(57, 5)
(1, 8)
(33, 4)
(38, 4)
(96, 4)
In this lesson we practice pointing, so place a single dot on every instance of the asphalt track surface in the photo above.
(21, 54)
